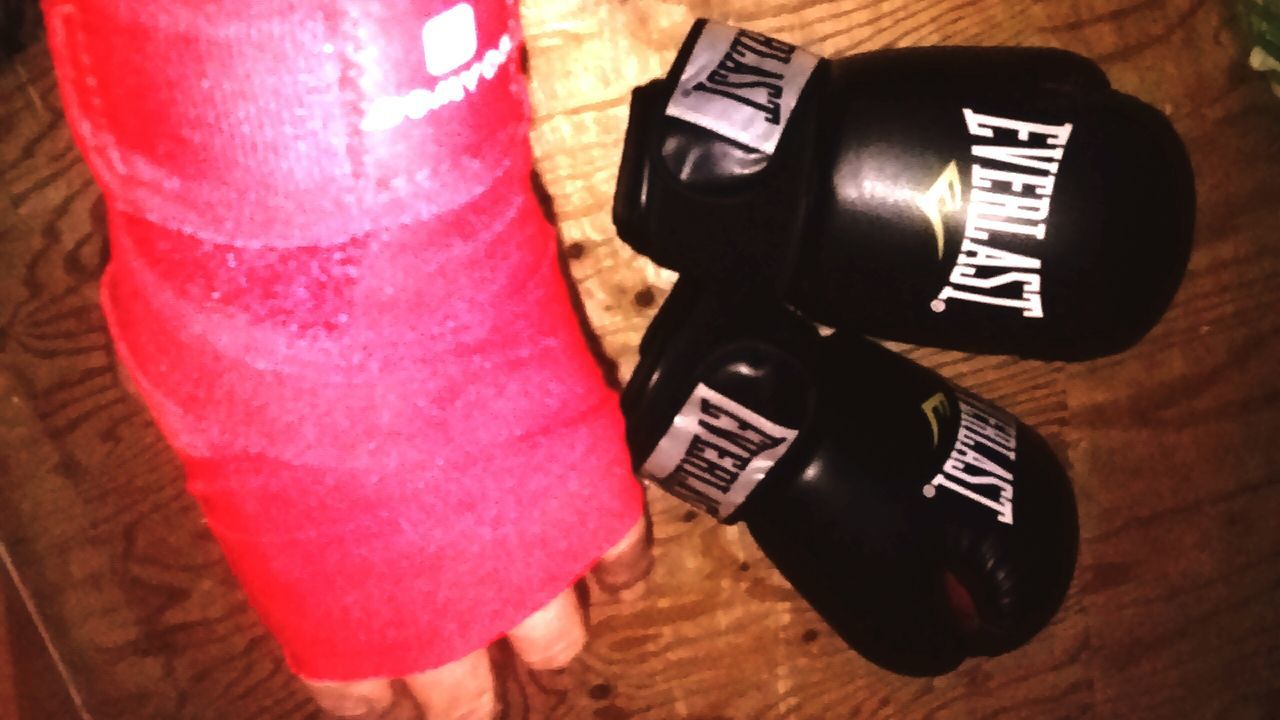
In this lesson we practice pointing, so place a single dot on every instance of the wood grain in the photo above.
(1175, 610)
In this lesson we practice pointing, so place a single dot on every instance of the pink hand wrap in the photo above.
(335, 289)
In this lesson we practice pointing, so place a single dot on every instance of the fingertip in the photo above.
(354, 699)
(628, 562)
(552, 637)
(460, 690)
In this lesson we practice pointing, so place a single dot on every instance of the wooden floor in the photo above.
(32, 685)
(1174, 446)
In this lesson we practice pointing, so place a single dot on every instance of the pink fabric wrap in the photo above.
(335, 289)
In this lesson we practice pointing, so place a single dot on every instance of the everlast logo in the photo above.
(980, 466)
(944, 196)
(741, 85)
(936, 408)
(744, 74)
(1010, 196)
(717, 456)
(715, 452)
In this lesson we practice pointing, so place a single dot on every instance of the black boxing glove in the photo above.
(922, 523)
(1001, 200)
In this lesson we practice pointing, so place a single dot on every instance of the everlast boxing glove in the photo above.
(1001, 200)
(924, 524)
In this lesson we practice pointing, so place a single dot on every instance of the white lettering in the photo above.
(973, 431)
(985, 202)
(1003, 506)
(1025, 157)
(972, 253)
(968, 470)
(716, 452)
(984, 126)
(967, 275)
(1022, 210)
(984, 177)
(390, 111)
(1029, 304)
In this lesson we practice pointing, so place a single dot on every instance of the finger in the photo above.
(358, 699)
(629, 561)
(461, 690)
(550, 638)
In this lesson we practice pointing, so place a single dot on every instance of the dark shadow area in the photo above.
(608, 368)
(20, 25)
(26, 662)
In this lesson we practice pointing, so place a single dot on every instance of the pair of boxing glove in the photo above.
(994, 200)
